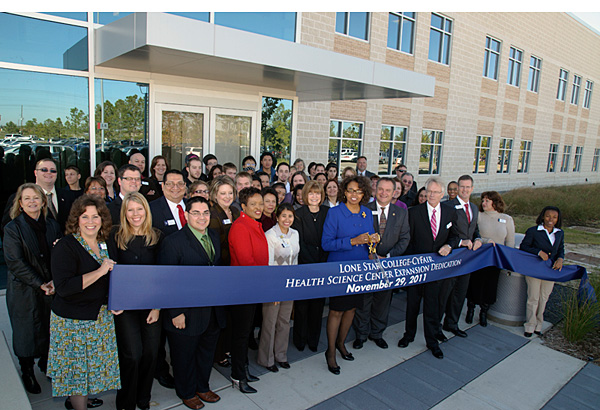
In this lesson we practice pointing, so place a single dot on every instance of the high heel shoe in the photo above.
(333, 369)
(243, 386)
(348, 356)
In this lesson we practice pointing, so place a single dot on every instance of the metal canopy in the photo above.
(174, 45)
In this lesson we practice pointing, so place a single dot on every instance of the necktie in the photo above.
(468, 214)
(181, 216)
(51, 206)
(382, 221)
(208, 247)
(433, 225)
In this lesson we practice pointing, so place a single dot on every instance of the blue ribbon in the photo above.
(145, 287)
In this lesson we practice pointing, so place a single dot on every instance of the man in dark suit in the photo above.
(130, 180)
(361, 167)
(408, 193)
(431, 230)
(193, 332)
(454, 290)
(391, 222)
(149, 188)
(168, 210)
(59, 201)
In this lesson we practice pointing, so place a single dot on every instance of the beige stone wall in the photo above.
(465, 103)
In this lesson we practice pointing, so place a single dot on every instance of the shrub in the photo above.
(579, 319)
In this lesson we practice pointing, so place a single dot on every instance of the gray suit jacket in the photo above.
(465, 229)
(397, 232)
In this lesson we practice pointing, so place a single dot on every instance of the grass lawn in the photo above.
(523, 222)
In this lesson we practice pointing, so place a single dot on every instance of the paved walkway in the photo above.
(495, 367)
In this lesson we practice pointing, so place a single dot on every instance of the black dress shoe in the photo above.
(358, 344)
(243, 386)
(333, 369)
(441, 337)
(91, 404)
(456, 332)
(380, 342)
(527, 334)
(404, 342)
(284, 365)
(250, 377)
(300, 348)
(312, 348)
(537, 332)
(437, 352)
(166, 381)
(30, 383)
(348, 356)
(273, 368)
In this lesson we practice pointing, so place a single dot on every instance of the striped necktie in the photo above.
(433, 225)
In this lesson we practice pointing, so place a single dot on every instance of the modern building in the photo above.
(506, 97)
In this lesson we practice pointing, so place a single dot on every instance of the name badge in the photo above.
(458, 207)
(449, 225)
(145, 183)
(375, 212)
(502, 221)
(170, 222)
(103, 246)
(226, 221)
(285, 245)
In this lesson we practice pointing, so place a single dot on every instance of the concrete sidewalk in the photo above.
(494, 367)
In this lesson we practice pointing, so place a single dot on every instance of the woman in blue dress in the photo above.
(347, 232)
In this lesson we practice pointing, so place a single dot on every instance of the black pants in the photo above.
(192, 359)
(137, 342)
(483, 286)
(308, 320)
(372, 317)
(429, 293)
(242, 317)
(452, 299)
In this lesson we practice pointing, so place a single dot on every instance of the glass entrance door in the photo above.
(232, 134)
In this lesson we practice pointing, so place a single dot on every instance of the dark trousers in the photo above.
(137, 343)
(429, 293)
(452, 299)
(308, 318)
(483, 286)
(372, 317)
(162, 367)
(242, 317)
(192, 359)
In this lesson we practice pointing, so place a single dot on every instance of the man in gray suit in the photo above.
(391, 222)
(454, 290)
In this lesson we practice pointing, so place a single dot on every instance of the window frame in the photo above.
(340, 137)
(577, 158)
(504, 155)
(524, 157)
(587, 94)
(535, 72)
(488, 53)
(576, 89)
(552, 157)
(563, 80)
(514, 64)
(444, 45)
(400, 35)
(479, 149)
(392, 159)
(347, 23)
(435, 151)
(566, 158)
(595, 160)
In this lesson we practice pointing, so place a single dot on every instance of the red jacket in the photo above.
(248, 243)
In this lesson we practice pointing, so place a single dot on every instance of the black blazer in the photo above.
(310, 232)
(137, 253)
(465, 229)
(114, 207)
(421, 238)
(396, 236)
(536, 241)
(182, 248)
(150, 189)
(162, 217)
(217, 216)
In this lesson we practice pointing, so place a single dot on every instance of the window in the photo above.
(504, 155)
(587, 96)
(515, 60)
(577, 160)
(535, 68)
(355, 24)
(440, 36)
(345, 143)
(392, 148)
(492, 56)
(401, 32)
(575, 92)
(524, 154)
(482, 153)
(552, 154)
(595, 160)
(276, 128)
(566, 159)
(279, 25)
(431, 152)
(562, 85)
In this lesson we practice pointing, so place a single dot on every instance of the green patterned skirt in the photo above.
(83, 355)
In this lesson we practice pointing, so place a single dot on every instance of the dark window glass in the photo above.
(25, 40)
(276, 128)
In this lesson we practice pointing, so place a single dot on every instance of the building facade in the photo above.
(505, 97)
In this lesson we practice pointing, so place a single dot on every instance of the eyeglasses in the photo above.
(354, 191)
(132, 179)
(50, 170)
(96, 188)
(171, 184)
(201, 191)
(434, 192)
(197, 214)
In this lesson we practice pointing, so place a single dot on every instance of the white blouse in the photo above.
(283, 248)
